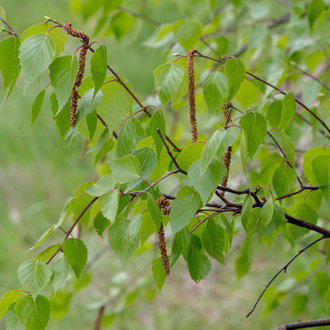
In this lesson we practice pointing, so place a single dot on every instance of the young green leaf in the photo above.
(148, 160)
(235, 72)
(88, 104)
(9, 63)
(7, 299)
(36, 107)
(60, 272)
(153, 208)
(321, 170)
(184, 207)
(125, 169)
(314, 11)
(62, 119)
(167, 79)
(36, 54)
(158, 272)
(215, 88)
(180, 244)
(213, 239)
(100, 223)
(62, 73)
(109, 204)
(284, 179)
(34, 275)
(255, 128)
(266, 212)
(158, 121)
(288, 110)
(246, 212)
(75, 252)
(187, 32)
(99, 67)
(198, 264)
(34, 314)
(124, 237)
(126, 138)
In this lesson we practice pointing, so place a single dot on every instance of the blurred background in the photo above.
(38, 173)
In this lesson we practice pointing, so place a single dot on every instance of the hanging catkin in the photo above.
(227, 155)
(191, 94)
(81, 68)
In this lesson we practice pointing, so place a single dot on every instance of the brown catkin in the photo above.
(226, 112)
(191, 94)
(162, 248)
(164, 204)
(226, 161)
(81, 68)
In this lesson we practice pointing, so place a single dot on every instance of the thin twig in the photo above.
(98, 321)
(298, 191)
(72, 227)
(283, 269)
(305, 324)
(11, 31)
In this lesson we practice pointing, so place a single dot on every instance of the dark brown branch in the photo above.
(280, 149)
(283, 269)
(98, 321)
(298, 191)
(305, 324)
(173, 144)
(170, 153)
(72, 227)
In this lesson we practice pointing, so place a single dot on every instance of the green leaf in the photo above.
(11, 319)
(309, 156)
(46, 254)
(247, 248)
(101, 186)
(59, 36)
(60, 303)
(188, 32)
(116, 103)
(101, 223)
(198, 264)
(75, 252)
(246, 212)
(158, 121)
(36, 107)
(266, 212)
(153, 208)
(158, 272)
(216, 146)
(60, 272)
(121, 23)
(62, 119)
(255, 128)
(322, 283)
(148, 160)
(125, 169)
(321, 170)
(183, 208)
(288, 110)
(99, 67)
(34, 276)
(62, 73)
(286, 143)
(36, 54)
(3, 16)
(314, 11)
(284, 179)
(126, 139)
(109, 204)
(124, 237)
(9, 64)
(206, 182)
(34, 314)
(189, 155)
(213, 239)
(7, 299)
(278, 217)
(88, 104)
(215, 88)
(168, 78)
(180, 244)
(235, 72)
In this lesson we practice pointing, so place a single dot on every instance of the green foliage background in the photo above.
(38, 173)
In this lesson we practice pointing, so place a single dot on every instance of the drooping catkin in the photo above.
(81, 68)
(227, 155)
(191, 94)
(162, 248)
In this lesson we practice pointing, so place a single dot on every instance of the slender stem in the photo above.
(298, 191)
(280, 148)
(11, 31)
(98, 321)
(283, 269)
(170, 153)
(72, 227)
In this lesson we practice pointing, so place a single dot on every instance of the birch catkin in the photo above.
(81, 68)
(191, 94)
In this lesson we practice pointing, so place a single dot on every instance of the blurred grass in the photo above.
(38, 173)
